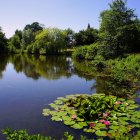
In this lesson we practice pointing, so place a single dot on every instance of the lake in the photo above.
(29, 83)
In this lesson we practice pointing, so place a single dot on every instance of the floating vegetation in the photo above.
(99, 114)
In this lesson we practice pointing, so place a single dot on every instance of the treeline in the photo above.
(36, 39)
(119, 34)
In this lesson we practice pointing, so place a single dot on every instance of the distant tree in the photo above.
(15, 41)
(29, 33)
(3, 42)
(35, 26)
(50, 41)
(70, 40)
(28, 36)
(86, 37)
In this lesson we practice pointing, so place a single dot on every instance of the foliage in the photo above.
(125, 68)
(21, 39)
(97, 113)
(35, 27)
(119, 33)
(50, 41)
(22, 135)
(15, 42)
(86, 52)
(119, 28)
(70, 39)
(3, 42)
(86, 37)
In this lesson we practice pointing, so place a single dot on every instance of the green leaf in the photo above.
(56, 118)
(100, 133)
(66, 122)
(89, 130)
(77, 126)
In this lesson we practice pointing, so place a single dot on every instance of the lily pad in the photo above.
(100, 133)
(77, 126)
(114, 127)
(89, 130)
(69, 122)
(56, 118)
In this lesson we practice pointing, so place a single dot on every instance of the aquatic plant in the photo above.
(97, 113)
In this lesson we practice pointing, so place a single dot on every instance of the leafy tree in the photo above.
(86, 37)
(50, 40)
(3, 42)
(70, 40)
(119, 29)
(28, 36)
(35, 26)
(15, 42)
(29, 33)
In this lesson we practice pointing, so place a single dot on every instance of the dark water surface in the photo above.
(29, 83)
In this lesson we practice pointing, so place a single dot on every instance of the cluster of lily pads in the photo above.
(97, 113)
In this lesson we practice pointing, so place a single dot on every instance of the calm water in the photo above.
(28, 84)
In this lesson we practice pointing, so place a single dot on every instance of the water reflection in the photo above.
(3, 63)
(104, 82)
(55, 67)
(39, 66)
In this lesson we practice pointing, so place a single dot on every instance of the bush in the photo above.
(86, 52)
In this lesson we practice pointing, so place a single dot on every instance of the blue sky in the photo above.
(76, 14)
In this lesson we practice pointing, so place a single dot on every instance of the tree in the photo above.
(86, 37)
(29, 33)
(3, 42)
(15, 41)
(35, 26)
(28, 36)
(70, 40)
(119, 29)
(50, 41)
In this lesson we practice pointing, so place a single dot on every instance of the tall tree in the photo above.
(119, 29)
(29, 33)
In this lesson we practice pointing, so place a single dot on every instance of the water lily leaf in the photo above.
(89, 130)
(46, 112)
(123, 129)
(100, 126)
(130, 101)
(62, 98)
(53, 105)
(77, 126)
(100, 133)
(58, 102)
(56, 118)
(135, 120)
(112, 132)
(121, 114)
(122, 122)
(136, 114)
(121, 99)
(132, 107)
(69, 122)
(62, 113)
(82, 124)
(114, 127)
(124, 118)
(79, 119)
(66, 118)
